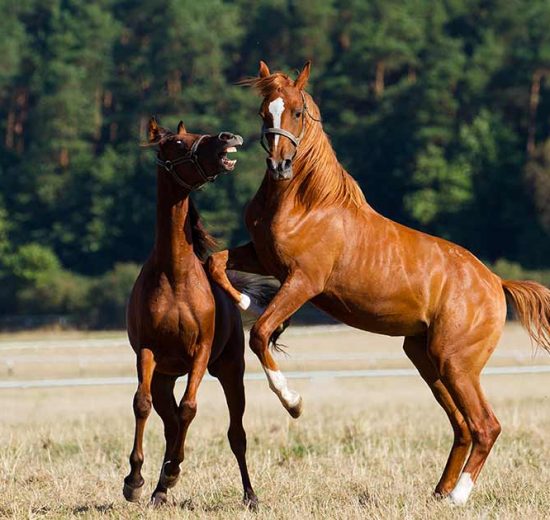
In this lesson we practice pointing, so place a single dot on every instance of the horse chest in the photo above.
(178, 312)
(274, 244)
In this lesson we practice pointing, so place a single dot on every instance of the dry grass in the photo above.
(362, 449)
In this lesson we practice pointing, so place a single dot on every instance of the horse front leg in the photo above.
(295, 291)
(133, 483)
(242, 258)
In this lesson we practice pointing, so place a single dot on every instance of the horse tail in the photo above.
(203, 242)
(532, 303)
(261, 290)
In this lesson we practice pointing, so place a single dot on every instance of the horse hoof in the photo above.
(168, 481)
(132, 494)
(296, 410)
(250, 501)
(159, 499)
(440, 495)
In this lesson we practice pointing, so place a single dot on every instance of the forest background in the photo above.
(440, 109)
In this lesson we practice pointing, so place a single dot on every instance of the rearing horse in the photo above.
(312, 228)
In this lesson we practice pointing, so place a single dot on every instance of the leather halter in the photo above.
(190, 157)
(295, 140)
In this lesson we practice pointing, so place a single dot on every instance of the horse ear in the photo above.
(301, 80)
(264, 70)
(154, 130)
(181, 128)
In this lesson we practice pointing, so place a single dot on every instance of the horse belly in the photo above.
(391, 319)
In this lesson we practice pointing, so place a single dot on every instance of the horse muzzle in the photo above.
(279, 170)
(228, 143)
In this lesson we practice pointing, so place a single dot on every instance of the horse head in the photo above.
(193, 159)
(284, 112)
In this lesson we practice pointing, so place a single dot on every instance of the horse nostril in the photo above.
(225, 136)
(271, 164)
(287, 164)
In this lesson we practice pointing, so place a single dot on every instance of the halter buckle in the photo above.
(168, 166)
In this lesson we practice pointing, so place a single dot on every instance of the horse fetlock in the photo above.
(461, 492)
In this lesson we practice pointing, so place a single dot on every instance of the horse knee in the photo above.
(187, 411)
(485, 436)
(463, 437)
(142, 405)
(258, 339)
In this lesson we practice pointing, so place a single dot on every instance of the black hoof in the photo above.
(296, 410)
(159, 498)
(250, 501)
(132, 493)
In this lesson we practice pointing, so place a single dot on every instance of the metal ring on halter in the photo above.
(191, 157)
(290, 136)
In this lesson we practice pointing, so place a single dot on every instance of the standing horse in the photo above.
(312, 228)
(178, 322)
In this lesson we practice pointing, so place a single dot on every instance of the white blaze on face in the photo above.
(459, 495)
(276, 108)
(277, 383)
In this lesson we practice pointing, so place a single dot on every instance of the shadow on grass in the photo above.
(100, 508)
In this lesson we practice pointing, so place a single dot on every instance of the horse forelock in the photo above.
(267, 85)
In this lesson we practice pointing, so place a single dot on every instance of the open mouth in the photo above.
(227, 163)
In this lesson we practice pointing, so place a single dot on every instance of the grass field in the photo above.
(364, 448)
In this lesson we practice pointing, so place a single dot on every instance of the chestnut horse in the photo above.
(178, 322)
(312, 228)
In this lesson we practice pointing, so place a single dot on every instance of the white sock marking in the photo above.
(277, 383)
(459, 495)
(277, 107)
(245, 301)
(249, 305)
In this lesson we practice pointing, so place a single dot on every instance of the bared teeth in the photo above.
(231, 149)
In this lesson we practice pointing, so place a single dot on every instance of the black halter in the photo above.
(190, 156)
(290, 136)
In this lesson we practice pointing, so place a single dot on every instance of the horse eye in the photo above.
(298, 114)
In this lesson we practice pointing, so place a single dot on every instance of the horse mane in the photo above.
(203, 242)
(324, 181)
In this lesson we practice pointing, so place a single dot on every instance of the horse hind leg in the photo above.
(416, 350)
(459, 371)
(230, 373)
(186, 412)
(133, 483)
(162, 390)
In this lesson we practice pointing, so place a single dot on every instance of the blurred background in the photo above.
(439, 109)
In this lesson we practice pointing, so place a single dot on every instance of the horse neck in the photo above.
(173, 237)
(319, 178)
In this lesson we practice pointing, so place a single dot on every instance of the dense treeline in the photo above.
(439, 108)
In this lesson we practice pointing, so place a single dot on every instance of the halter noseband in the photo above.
(190, 156)
(285, 133)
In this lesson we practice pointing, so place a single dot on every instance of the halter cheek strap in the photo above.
(191, 157)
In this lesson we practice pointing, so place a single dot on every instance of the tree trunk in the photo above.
(379, 79)
(534, 99)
